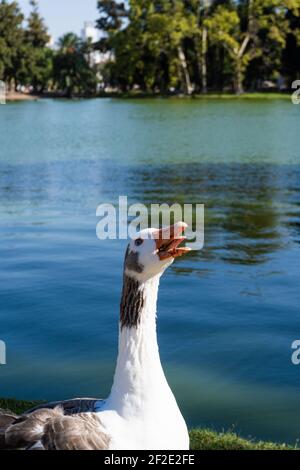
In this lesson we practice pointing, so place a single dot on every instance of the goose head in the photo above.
(153, 250)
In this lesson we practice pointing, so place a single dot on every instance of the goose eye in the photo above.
(138, 242)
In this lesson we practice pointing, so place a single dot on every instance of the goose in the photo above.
(141, 412)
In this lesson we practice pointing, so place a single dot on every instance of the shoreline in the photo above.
(200, 438)
(16, 96)
(199, 96)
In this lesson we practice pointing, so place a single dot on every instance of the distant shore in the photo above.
(200, 439)
(17, 96)
(201, 96)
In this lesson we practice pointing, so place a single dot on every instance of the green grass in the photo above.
(17, 406)
(245, 96)
(201, 439)
(206, 96)
(141, 95)
(205, 439)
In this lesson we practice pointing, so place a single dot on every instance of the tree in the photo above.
(71, 70)
(205, 5)
(112, 14)
(36, 58)
(273, 30)
(117, 40)
(200, 10)
(36, 31)
(163, 44)
(168, 25)
(291, 54)
(11, 40)
(158, 46)
(258, 29)
(225, 29)
(69, 43)
(149, 47)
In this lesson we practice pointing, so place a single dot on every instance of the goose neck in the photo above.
(139, 373)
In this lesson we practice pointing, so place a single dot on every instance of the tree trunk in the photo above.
(185, 72)
(203, 60)
(238, 86)
(238, 79)
(199, 69)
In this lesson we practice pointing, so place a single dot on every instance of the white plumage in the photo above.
(141, 411)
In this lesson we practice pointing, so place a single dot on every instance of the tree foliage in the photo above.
(11, 39)
(182, 44)
(36, 60)
(158, 46)
(72, 72)
(26, 60)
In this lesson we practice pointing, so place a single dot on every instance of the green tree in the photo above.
(224, 28)
(273, 31)
(36, 31)
(112, 14)
(149, 48)
(256, 29)
(200, 10)
(163, 44)
(170, 24)
(35, 58)
(117, 40)
(158, 45)
(72, 72)
(290, 59)
(11, 40)
(203, 13)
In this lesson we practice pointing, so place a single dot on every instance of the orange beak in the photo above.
(168, 240)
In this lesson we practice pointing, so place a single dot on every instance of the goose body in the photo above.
(141, 411)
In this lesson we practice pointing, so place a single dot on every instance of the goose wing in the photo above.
(79, 432)
(68, 425)
(6, 419)
(71, 407)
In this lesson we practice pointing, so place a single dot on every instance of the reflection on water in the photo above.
(227, 314)
(241, 203)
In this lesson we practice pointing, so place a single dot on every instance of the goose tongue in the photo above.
(168, 240)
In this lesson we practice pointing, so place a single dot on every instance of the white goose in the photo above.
(141, 411)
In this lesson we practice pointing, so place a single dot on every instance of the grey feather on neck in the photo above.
(132, 302)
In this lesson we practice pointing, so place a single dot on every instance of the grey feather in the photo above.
(67, 425)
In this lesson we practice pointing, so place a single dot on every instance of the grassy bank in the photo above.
(17, 406)
(201, 439)
(205, 439)
(245, 96)
(207, 96)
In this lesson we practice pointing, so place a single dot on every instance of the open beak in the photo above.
(168, 240)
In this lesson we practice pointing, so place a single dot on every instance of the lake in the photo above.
(227, 315)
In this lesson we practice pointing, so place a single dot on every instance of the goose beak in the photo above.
(168, 240)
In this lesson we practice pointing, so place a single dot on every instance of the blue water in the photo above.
(227, 315)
